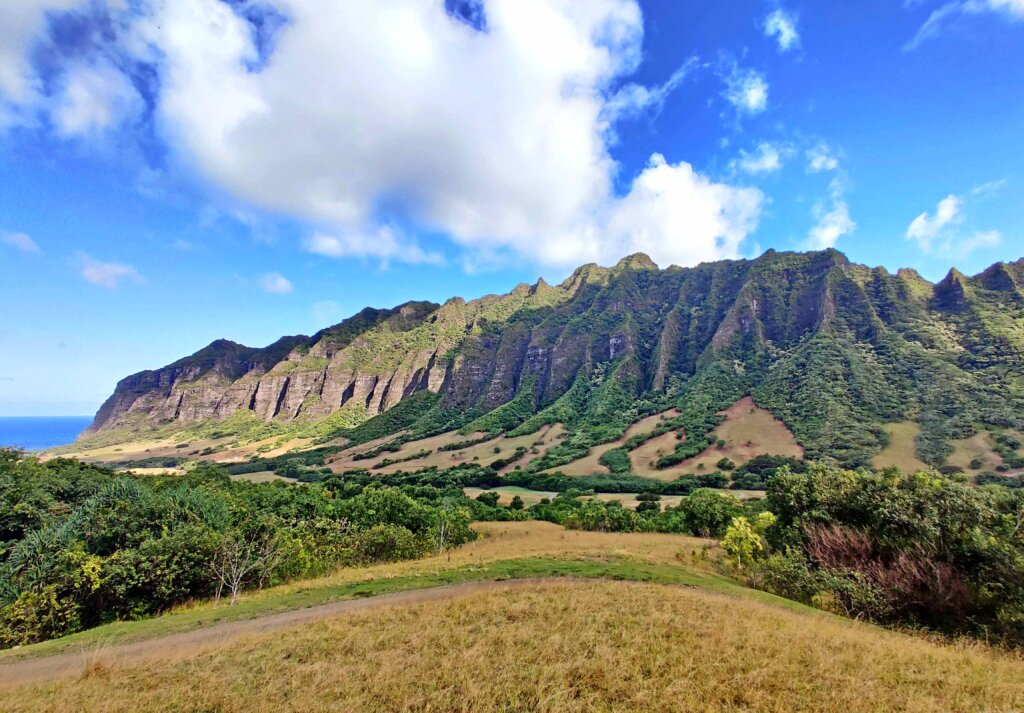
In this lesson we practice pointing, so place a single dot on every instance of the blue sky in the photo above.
(176, 172)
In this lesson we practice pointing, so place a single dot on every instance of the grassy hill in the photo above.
(633, 622)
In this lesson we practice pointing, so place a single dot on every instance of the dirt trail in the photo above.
(181, 645)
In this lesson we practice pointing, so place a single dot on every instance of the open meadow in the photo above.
(680, 638)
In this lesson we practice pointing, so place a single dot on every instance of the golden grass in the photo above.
(532, 497)
(645, 457)
(591, 465)
(505, 494)
(565, 646)
(156, 471)
(480, 453)
(978, 447)
(127, 451)
(902, 448)
(748, 431)
(533, 538)
(262, 476)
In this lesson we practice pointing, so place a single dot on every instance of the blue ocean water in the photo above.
(35, 433)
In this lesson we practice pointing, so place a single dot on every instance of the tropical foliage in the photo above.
(81, 545)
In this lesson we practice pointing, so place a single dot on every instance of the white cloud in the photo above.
(833, 219)
(20, 241)
(940, 19)
(820, 158)
(106, 274)
(947, 232)
(925, 228)
(988, 188)
(747, 90)
(766, 158)
(978, 241)
(677, 216)
(831, 226)
(494, 137)
(384, 243)
(781, 25)
(21, 24)
(368, 113)
(94, 99)
(633, 99)
(275, 283)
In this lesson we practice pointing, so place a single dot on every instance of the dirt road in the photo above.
(182, 645)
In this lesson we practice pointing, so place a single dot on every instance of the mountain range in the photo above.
(834, 349)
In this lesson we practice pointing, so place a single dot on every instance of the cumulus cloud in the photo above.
(747, 90)
(781, 25)
(20, 241)
(491, 128)
(943, 17)
(106, 274)
(766, 158)
(275, 283)
(678, 216)
(821, 158)
(946, 231)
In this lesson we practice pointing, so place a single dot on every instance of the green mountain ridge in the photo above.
(832, 348)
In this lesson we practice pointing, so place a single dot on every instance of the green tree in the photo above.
(742, 542)
(489, 499)
(708, 514)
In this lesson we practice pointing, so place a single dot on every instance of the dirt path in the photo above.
(46, 668)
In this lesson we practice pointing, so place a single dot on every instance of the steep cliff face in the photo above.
(806, 333)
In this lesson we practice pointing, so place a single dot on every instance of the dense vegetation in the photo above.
(81, 545)
(921, 549)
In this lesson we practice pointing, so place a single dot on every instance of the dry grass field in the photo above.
(902, 448)
(485, 452)
(978, 447)
(590, 465)
(506, 493)
(545, 645)
(262, 476)
(556, 646)
(748, 431)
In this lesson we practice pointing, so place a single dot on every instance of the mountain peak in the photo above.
(636, 261)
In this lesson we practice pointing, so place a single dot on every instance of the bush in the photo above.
(921, 549)
(37, 616)
(388, 543)
(489, 499)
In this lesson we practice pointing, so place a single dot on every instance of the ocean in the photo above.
(38, 432)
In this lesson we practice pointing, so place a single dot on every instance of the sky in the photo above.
(177, 171)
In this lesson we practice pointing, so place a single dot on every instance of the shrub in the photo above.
(37, 616)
